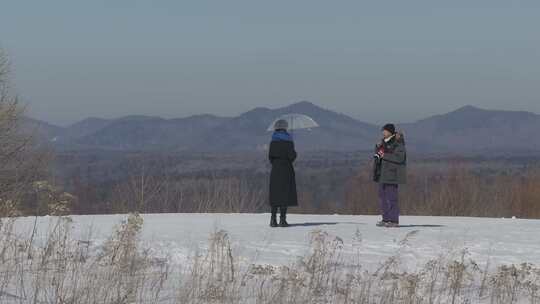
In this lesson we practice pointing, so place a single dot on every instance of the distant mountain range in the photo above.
(468, 129)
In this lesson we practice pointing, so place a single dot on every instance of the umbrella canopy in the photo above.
(295, 121)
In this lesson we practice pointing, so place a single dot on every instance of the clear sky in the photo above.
(374, 60)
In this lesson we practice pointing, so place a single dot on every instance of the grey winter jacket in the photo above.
(394, 163)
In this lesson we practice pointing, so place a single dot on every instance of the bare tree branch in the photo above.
(21, 162)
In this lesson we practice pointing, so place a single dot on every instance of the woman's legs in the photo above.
(273, 217)
(283, 217)
(383, 203)
(393, 203)
(389, 201)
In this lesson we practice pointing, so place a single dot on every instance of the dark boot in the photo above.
(283, 217)
(273, 221)
(273, 218)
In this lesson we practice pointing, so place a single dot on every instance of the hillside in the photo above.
(468, 130)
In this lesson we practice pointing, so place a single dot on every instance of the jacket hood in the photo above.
(400, 137)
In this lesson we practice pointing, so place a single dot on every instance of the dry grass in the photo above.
(61, 269)
(454, 191)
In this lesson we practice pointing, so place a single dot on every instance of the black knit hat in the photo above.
(390, 128)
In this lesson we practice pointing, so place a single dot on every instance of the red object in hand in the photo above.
(381, 152)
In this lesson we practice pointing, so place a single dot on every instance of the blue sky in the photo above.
(374, 60)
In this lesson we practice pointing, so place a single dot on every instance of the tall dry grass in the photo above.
(62, 269)
(453, 191)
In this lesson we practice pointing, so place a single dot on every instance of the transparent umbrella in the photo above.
(296, 122)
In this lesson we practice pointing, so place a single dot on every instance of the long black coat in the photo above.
(282, 179)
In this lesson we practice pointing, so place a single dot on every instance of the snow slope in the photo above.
(502, 241)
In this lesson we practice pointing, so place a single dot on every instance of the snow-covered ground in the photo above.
(502, 241)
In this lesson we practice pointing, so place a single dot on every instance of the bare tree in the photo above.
(21, 164)
(142, 191)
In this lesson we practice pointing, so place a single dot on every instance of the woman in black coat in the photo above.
(282, 179)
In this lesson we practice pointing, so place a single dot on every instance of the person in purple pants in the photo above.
(390, 171)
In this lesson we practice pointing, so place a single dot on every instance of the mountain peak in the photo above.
(469, 108)
(89, 120)
(304, 103)
(139, 118)
(257, 112)
(476, 112)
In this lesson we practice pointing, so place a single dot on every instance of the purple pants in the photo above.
(388, 195)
